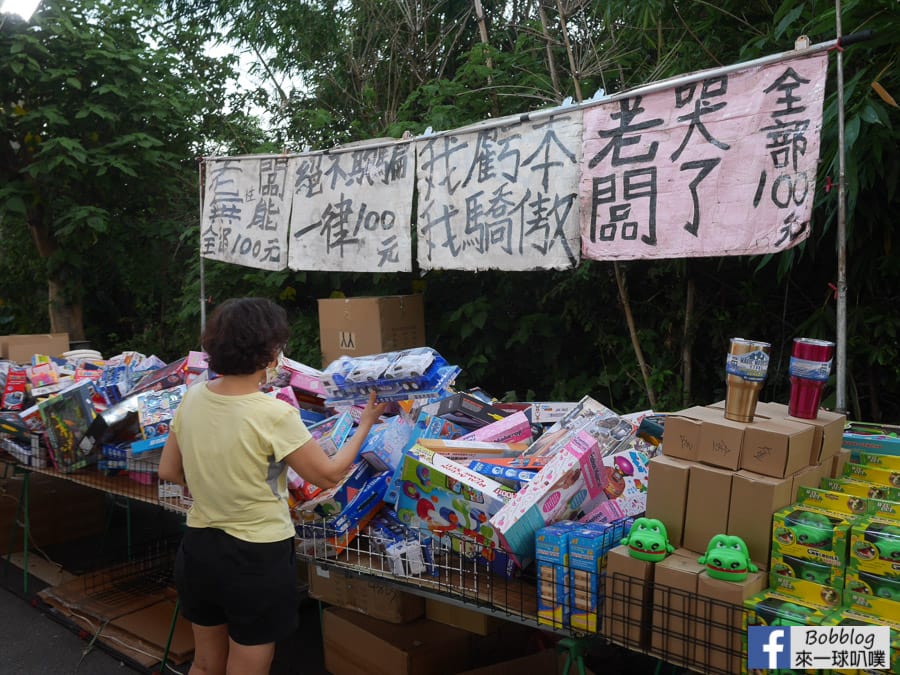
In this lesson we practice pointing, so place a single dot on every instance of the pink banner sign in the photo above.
(717, 166)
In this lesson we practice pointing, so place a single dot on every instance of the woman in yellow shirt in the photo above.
(231, 445)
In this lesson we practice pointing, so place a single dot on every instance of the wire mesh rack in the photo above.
(700, 634)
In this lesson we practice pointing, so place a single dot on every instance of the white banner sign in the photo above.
(501, 198)
(352, 210)
(721, 166)
(246, 206)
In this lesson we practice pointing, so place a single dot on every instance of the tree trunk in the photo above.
(65, 314)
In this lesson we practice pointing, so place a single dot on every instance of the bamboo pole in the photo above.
(621, 283)
(551, 62)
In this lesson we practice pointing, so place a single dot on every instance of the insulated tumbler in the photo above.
(745, 374)
(809, 371)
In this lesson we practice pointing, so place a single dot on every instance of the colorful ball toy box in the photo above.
(446, 498)
(572, 481)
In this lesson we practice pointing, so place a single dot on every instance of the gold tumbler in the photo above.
(745, 375)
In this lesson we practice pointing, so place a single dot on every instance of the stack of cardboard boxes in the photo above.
(373, 627)
(715, 476)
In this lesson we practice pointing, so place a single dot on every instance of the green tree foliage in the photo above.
(104, 110)
(336, 72)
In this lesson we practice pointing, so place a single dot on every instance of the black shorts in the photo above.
(250, 587)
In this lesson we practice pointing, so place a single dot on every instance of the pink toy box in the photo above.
(571, 482)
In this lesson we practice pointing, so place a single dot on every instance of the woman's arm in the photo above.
(171, 467)
(316, 467)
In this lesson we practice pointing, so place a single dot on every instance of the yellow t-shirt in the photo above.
(233, 449)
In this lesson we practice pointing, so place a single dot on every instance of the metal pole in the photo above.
(201, 173)
(841, 319)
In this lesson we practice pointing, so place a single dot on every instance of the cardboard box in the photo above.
(810, 476)
(836, 466)
(542, 662)
(776, 448)
(20, 348)
(721, 440)
(360, 645)
(708, 502)
(364, 595)
(460, 617)
(674, 607)
(828, 430)
(754, 499)
(719, 628)
(681, 433)
(370, 325)
(667, 498)
(628, 602)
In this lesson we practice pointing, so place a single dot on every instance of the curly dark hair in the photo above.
(244, 335)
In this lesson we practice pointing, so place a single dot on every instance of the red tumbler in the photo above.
(809, 371)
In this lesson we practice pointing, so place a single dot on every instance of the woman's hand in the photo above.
(372, 412)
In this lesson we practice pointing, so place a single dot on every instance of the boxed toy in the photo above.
(337, 532)
(587, 410)
(156, 408)
(872, 594)
(67, 417)
(510, 476)
(443, 497)
(334, 500)
(860, 488)
(588, 548)
(552, 562)
(864, 662)
(814, 582)
(881, 439)
(624, 492)
(809, 531)
(512, 429)
(890, 462)
(874, 474)
(465, 410)
(385, 442)
(769, 608)
(572, 481)
(464, 451)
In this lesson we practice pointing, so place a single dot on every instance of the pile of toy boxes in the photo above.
(787, 488)
(73, 411)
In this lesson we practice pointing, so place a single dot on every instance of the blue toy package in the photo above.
(510, 476)
(407, 554)
(341, 530)
(393, 376)
(552, 562)
(385, 442)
